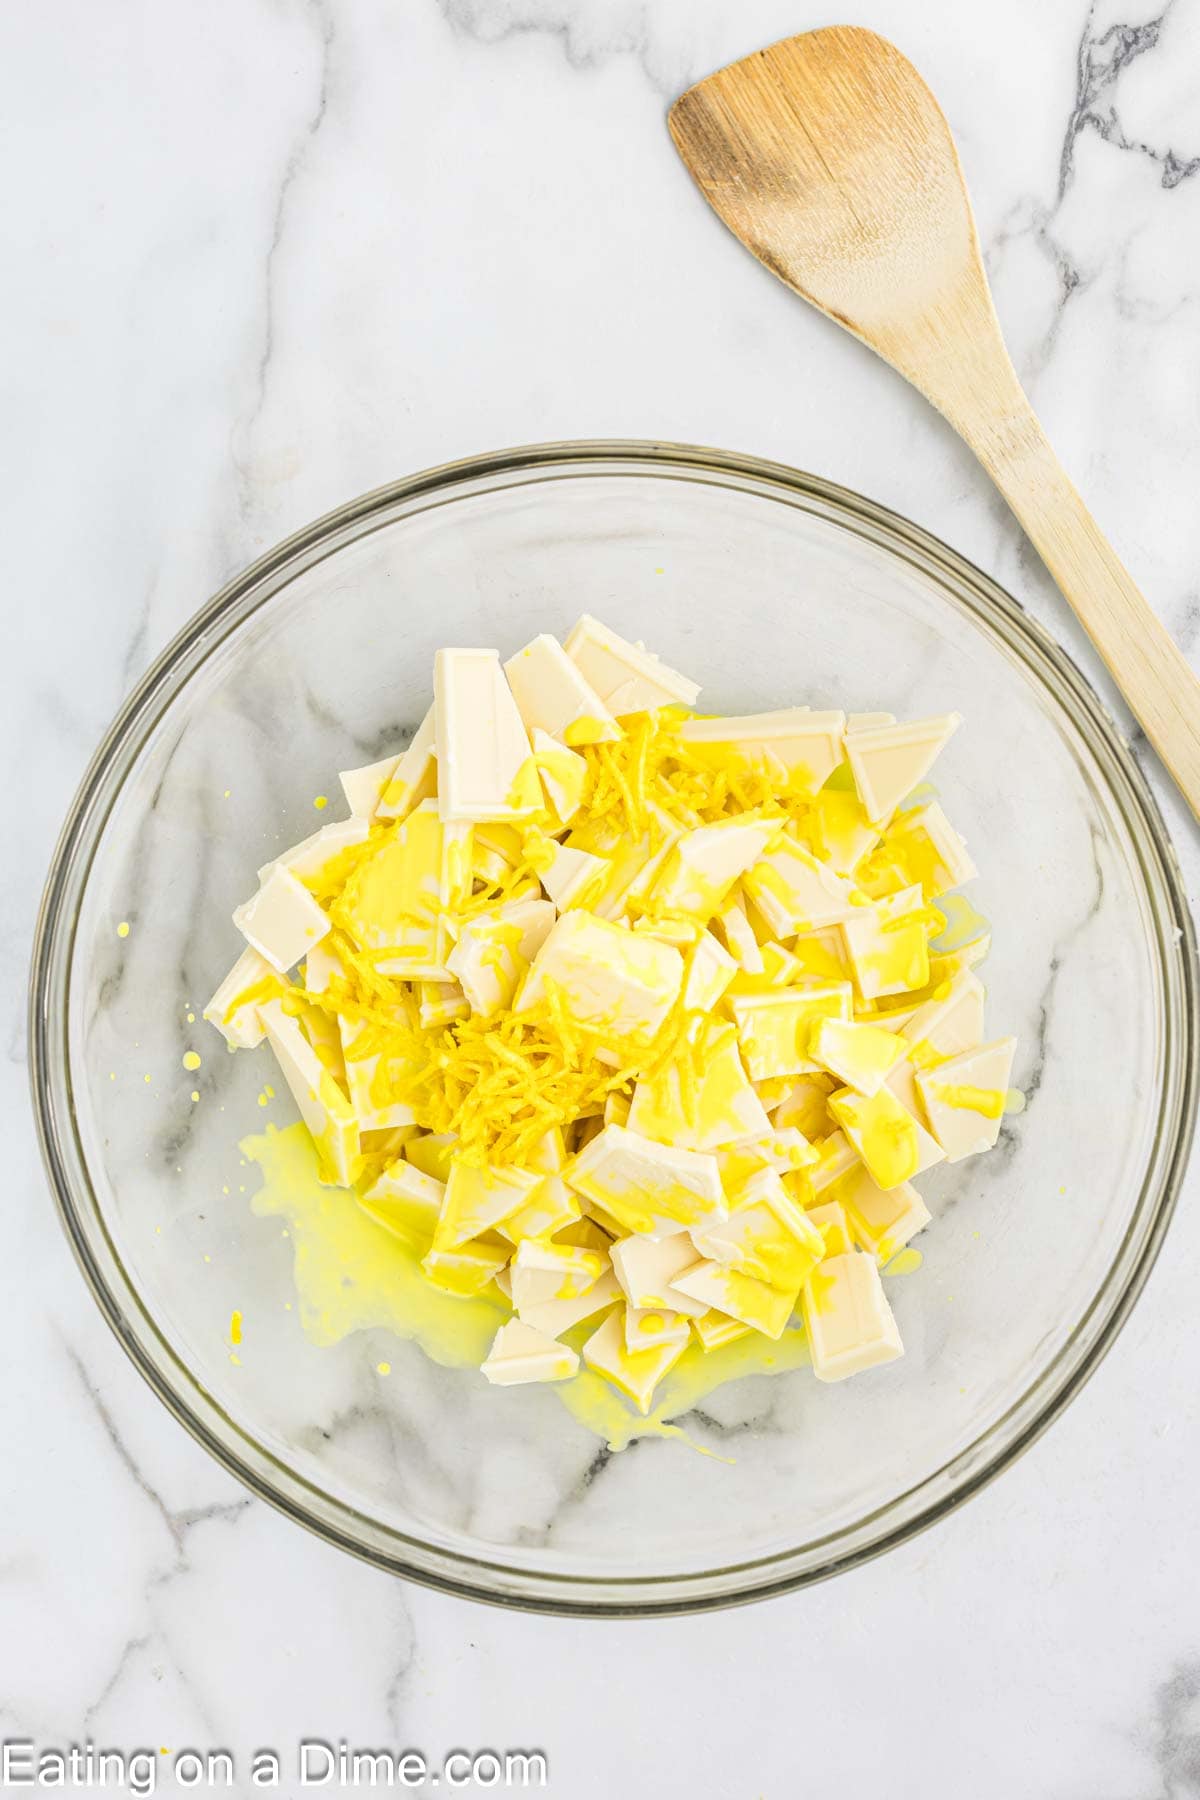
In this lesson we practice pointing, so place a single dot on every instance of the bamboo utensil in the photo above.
(830, 159)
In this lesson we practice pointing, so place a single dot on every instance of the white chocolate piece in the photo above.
(646, 1269)
(708, 971)
(574, 877)
(766, 1235)
(312, 854)
(364, 787)
(795, 891)
(441, 1002)
(234, 1008)
(703, 865)
(754, 1303)
(861, 1056)
(563, 774)
(466, 1270)
(495, 950)
(367, 1083)
(320, 1102)
(556, 1316)
(398, 899)
(485, 767)
(406, 1203)
(964, 1097)
(888, 761)
(948, 1026)
(927, 845)
(542, 1272)
(881, 1222)
(553, 696)
(849, 1323)
(775, 1028)
(836, 1156)
(700, 1101)
(740, 941)
(520, 1353)
(648, 1187)
(714, 1330)
(282, 921)
(479, 1199)
(891, 1142)
(627, 678)
(829, 1218)
(635, 1373)
(793, 747)
(414, 778)
(615, 982)
(650, 1329)
(888, 945)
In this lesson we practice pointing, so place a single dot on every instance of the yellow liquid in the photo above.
(353, 1275)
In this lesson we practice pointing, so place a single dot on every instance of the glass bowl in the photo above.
(771, 588)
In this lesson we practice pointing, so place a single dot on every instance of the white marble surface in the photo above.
(262, 256)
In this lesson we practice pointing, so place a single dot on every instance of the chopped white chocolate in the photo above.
(888, 945)
(849, 1324)
(795, 748)
(309, 859)
(635, 1372)
(881, 1222)
(805, 1107)
(414, 778)
(542, 1272)
(766, 1235)
(615, 982)
(235, 1007)
(322, 1105)
(485, 766)
(703, 865)
(477, 1200)
(440, 1002)
(647, 1187)
(701, 1098)
(949, 1025)
(364, 787)
(893, 1145)
(755, 1303)
(836, 1156)
(741, 943)
(553, 696)
(926, 849)
(713, 1330)
(965, 1096)
(861, 1056)
(556, 1316)
(651, 1329)
(521, 1353)
(465, 1270)
(627, 677)
(646, 1270)
(776, 1028)
(563, 774)
(829, 1218)
(795, 891)
(397, 902)
(573, 877)
(282, 921)
(495, 949)
(406, 1202)
(888, 761)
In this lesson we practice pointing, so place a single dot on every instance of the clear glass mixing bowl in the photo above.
(771, 588)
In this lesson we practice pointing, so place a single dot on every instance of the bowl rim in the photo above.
(266, 1476)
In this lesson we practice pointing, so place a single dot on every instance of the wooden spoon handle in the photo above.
(1142, 657)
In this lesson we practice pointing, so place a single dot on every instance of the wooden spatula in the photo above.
(831, 160)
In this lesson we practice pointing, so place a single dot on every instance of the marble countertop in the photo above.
(265, 254)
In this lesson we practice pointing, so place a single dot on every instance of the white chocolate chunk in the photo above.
(703, 865)
(795, 891)
(646, 1270)
(648, 1187)
(313, 854)
(775, 1028)
(520, 1353)
(615, 982)
(234, 1008)
(887, 761)
(479, 1199)
(948, 1026)
(574, 877)
(861, 1056)
(702, 1098)
(282, 921)
(553, 696)
(320, 1102)
(888, 945)
(485, 767)
(881, 1222)
(714, 1330)
(741, 943)
(396, 903)
(636, 1373)
(414, 777)
(563, 774)
(542, 1272)
(465, 1270)
(754, 1303)
(406, 1202)
(836, 1156)
(849, 1323)
(794, 747)
(650, 1329)
(627, 678)
(441, 1002)
(556, 1316)
(829, 1218)
(926, 846)
(364, 787)
(709, 969)
(891, 1142)
(766, 1235)
(495, 949)
(964, 1097)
